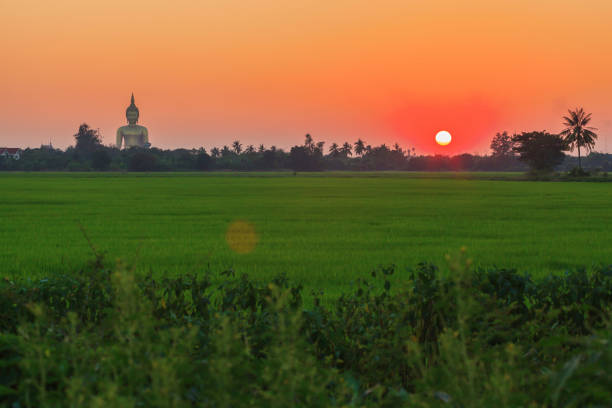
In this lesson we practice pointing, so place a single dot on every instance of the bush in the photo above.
(100, 159)
(301, 158)
(203, 161)
(578, 172)
(103, 337)
(143, 161)
(78, 166)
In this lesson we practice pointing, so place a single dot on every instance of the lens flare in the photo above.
(241, 237)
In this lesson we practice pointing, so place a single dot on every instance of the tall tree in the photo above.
(542, 151)
(347, 149)
(319, 148)
(578, 133)
(100, 159)
(501, 145)
(359, 147)
(203, 160)
(87, 139)
(237, 146)
(215, 152)
(308, 142)
(333, 150)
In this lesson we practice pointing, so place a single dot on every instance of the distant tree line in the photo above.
(539, 151)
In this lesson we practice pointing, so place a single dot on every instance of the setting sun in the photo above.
(443, 138)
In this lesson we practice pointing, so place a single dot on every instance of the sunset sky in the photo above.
(205, 73)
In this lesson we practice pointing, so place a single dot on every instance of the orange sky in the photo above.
(205, 73)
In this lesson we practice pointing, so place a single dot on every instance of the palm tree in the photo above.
(577, 132)
(237, 146)
(250, 149)
(347, 149)
(333, 150)
(319, 148)
(360, 147)
(309, 143)
(215, 152)
(262, 148)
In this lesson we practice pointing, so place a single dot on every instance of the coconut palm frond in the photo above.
(568, 121)
(587, 133)
(574, 113)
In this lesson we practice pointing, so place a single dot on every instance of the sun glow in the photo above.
(443, 138)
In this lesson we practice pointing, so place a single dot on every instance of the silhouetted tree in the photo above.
(237, 146)
(578, 133)
(180, 159)
(319, 148)
(307, 157)
(333, 150)
(250, 149)
(383, 158)
(269, 159)
(87, 139)
(308, 142)
(359, 147)
(203, 160)
(501, 145)
(300, 158)
(215, 152)
(542, 151)
(262, 148)
(225, 151)
(347, 149)
(462, 162)
(142, 161)
(100, 159)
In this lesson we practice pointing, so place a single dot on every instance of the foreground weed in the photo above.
(105, 337)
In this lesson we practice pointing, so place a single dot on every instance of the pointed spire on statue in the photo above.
(132, 112)
(132, 135)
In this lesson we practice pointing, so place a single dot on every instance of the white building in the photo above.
(10, 152)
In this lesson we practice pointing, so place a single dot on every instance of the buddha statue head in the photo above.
(132, 113)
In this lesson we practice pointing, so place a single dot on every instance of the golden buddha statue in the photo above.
(132, 135)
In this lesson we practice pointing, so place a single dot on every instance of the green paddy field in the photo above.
(323, 229)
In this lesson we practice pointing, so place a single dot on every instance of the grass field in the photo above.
(322, 229)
